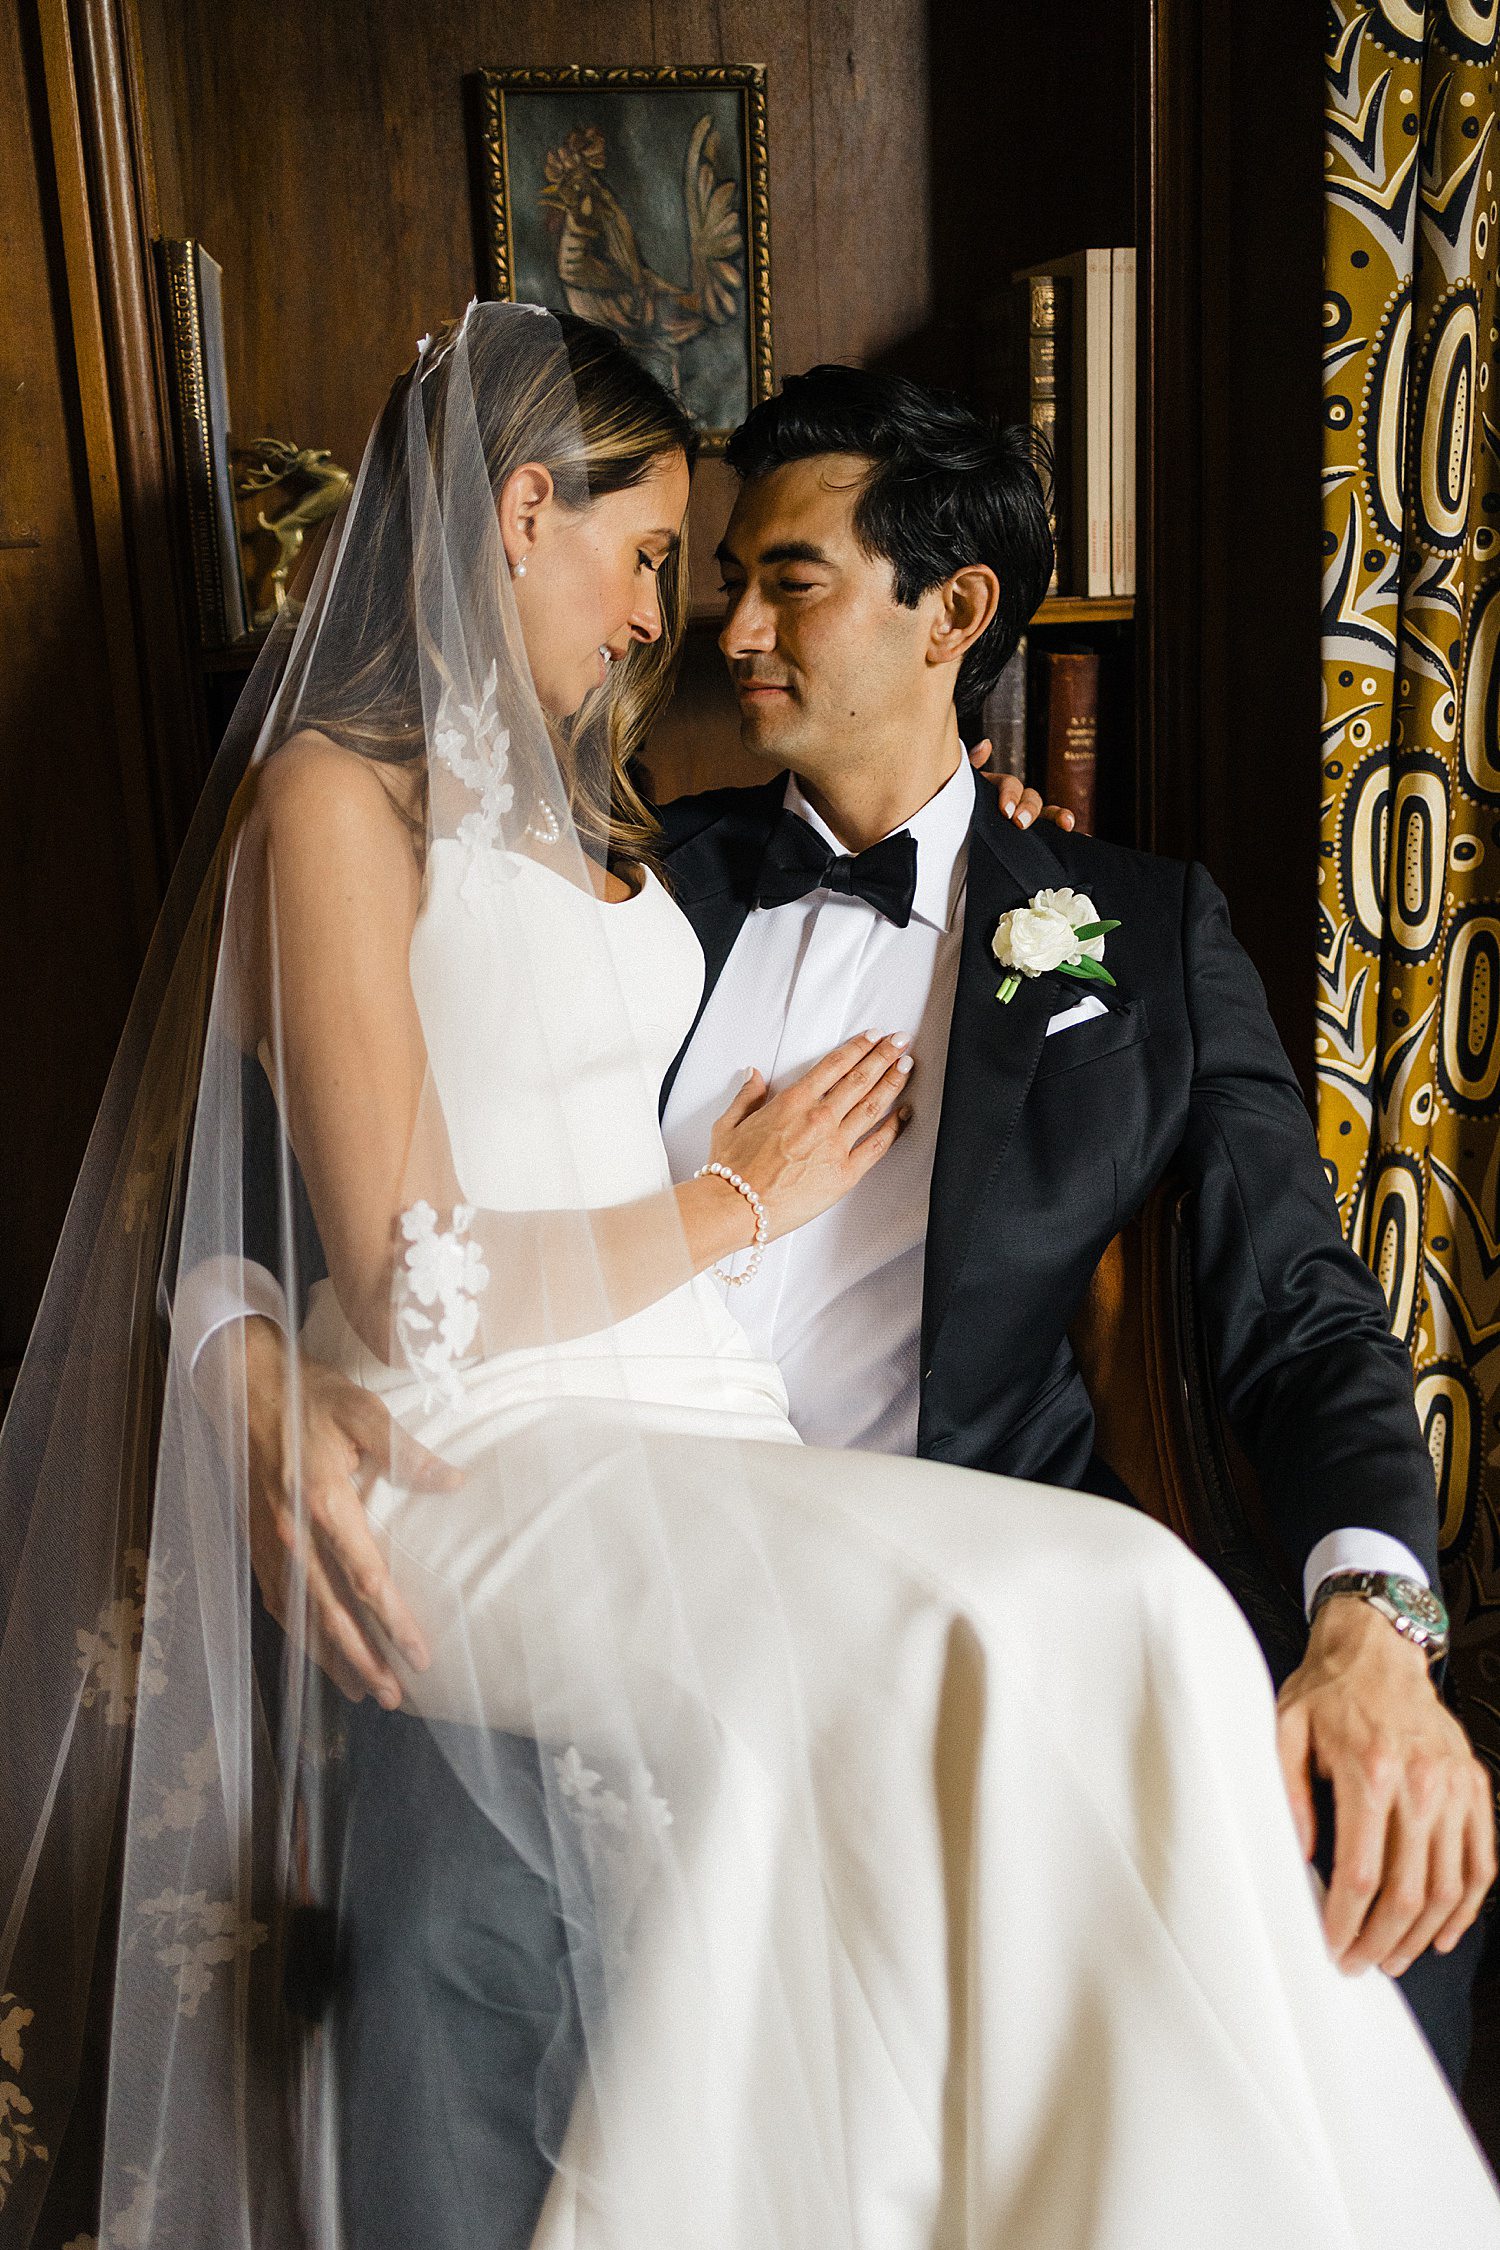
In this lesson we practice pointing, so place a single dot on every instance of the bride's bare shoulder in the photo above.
(331, 864)
(314, 790)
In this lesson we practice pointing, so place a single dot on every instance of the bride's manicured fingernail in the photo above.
(874, 1037)
(903, 1063)
(901, 1040)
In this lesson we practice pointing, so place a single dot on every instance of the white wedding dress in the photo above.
(1065, 1971)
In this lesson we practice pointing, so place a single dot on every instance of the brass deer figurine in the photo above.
(316, 486)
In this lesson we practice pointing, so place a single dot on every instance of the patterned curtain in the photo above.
(1409, 920)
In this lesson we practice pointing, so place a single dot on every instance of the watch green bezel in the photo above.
(1416, 1612)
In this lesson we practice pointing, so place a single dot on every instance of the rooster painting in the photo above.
(604, 274)
(638, 196)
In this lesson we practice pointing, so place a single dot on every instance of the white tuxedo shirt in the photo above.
(838, 1304)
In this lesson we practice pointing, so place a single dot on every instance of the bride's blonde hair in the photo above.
(594, 417)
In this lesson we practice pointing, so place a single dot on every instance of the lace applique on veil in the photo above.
(469, 740)
(438, 1287)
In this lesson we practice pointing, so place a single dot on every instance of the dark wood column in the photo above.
(112, 118)
(1231, 102)
(99, 761)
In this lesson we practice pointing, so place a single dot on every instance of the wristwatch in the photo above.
(1414, 1609)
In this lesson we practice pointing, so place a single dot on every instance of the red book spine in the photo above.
(1070, 704)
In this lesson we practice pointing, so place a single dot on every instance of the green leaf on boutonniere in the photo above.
(1092, 972)
(1095, 929)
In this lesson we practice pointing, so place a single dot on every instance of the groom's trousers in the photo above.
(454, 2016)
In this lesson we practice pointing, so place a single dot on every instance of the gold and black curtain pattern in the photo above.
(1409, 920)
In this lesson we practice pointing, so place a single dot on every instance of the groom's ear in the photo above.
(966, 605)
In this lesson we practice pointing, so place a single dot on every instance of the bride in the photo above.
(904, 1905)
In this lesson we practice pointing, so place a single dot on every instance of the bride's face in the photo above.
(584, 579)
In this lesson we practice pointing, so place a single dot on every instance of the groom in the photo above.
(885, 552)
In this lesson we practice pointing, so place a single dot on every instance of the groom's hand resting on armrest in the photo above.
(346, 1439)
(1414, 1819)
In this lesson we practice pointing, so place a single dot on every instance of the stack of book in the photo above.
(1080, 350)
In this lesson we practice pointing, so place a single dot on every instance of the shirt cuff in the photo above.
(1356, 1549)
(218, 1291)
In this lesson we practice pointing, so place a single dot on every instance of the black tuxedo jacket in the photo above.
(1046, 1147)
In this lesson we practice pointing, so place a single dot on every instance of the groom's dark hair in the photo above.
(950, 486)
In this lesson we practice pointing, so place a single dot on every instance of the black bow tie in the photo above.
(797, 861)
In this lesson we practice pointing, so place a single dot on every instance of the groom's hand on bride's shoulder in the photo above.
(307, 1482)
(1414, 1815)
(1017, 802)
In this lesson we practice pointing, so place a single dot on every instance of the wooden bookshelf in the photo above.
(1083, 609)
(1057, 609)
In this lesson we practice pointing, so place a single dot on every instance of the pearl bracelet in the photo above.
(762, 1223)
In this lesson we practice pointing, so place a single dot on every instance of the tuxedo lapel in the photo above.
(711, 873)
(993, 1051)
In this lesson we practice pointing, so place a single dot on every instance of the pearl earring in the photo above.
(518, 570)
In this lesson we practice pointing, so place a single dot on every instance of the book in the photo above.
(1047, 360)
(1088, 329)
(1003, 717)
(1122, 421)
(192, 298)
(1066, 730)
(1131, 440)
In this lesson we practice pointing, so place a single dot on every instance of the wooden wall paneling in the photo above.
(96, 418)
(117, 141)
(869, 150)
(341, 211)
(73, 894)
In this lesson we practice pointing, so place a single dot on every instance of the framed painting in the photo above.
(637, 198)
(193, 304)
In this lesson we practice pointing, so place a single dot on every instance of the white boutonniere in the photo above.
(1059, 930)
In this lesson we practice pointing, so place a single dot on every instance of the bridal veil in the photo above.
(170, 1759)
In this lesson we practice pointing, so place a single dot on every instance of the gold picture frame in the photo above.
(192, 306)
(639, 197)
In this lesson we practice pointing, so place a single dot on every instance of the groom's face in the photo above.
(824, 659)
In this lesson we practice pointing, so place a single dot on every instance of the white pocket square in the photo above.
(1084, 1012)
